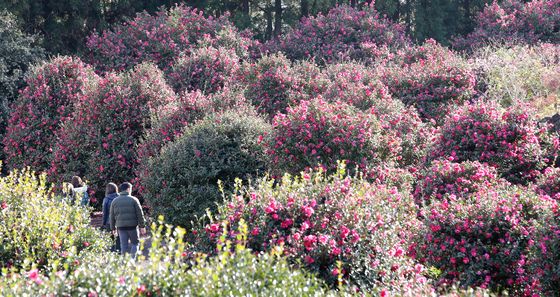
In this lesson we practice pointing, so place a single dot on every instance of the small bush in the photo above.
(39, 229)
(320, 133)
(53, 90)
(484, 240)
(431, 78)
(182, 182)
(336, 226)
(344, 33)
(514, 21)
(445, 178)
(206, 69)
(521, 73)
(507, 139)
(549, 183)
(99, 141)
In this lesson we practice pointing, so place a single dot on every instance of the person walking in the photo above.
(111, 192)
(126, 216)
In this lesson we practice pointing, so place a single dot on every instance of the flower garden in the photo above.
(342, 158)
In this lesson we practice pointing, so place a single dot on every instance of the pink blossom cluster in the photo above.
(273, 83)
(514, 21)
(207, 69)
(431, 78)
(158, 38)
(445, 179)
(491, 239)
(321, 220)
(508, 139)
(344, 33)
(317, 132)
(549, 182)
(53, 90)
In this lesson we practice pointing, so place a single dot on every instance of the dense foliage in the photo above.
(53, 90)
(334, 225)
(18, 51)
(182, 181)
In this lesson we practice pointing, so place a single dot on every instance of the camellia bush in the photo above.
(41, 230)
(341, 228)
(355, 84)
(320, 133)
(53, 91)
(182, 181)
(99, 140)
(206, 69)
(274, 83)
(514, 21)
(486, 239)
(510, 140)
(449, 180)
(158, 38)
(549, 182)
(344, 33)
(431, 78)
(19, 52)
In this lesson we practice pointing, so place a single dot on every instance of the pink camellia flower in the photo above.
(4, 205)
(33, 274)
(286, 223)
(309, 242)
(214, 227)
(141, 289)
(255, 231)
(308, 211)
(309, 260)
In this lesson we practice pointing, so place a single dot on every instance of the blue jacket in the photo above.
(107, 206)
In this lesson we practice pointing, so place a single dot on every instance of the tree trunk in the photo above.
(304, 8)
(268, 16)
(245, 7)
(277, 18)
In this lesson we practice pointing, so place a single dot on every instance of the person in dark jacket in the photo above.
(126, 216)
(111, 192)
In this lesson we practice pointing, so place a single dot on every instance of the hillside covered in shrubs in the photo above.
(343, 157)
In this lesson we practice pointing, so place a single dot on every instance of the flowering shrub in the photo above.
(53, 89)
(159, 38)
(182, 182)
(41, 230)
(507, 139)
(19, 52)
(273, 83)
(458, 179)
(521, 73)
(320, 133)
(485, 239)
(99, 140)
(336, 226)
(357, 85)
(344, 33)
(431, 78)
(166, 272)
(544, 266)
(207, 69)
(514, 21)
(549, 183)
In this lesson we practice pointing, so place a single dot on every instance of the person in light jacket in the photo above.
(80, 191)
(126, 216)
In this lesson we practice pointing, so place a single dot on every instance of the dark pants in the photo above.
(126, 234)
